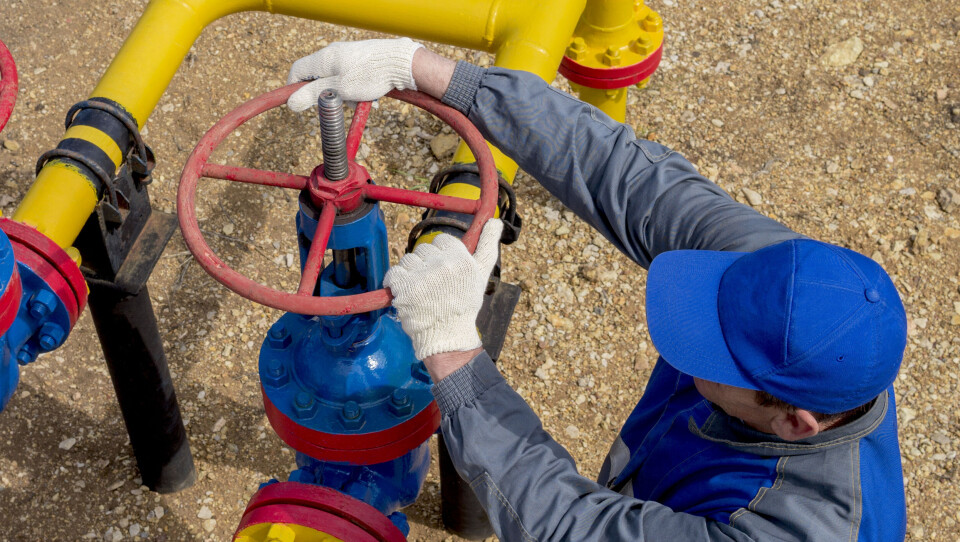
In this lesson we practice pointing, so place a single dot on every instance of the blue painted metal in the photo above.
(338, 374)
(352, 374)
(388, 486)
(42, 323)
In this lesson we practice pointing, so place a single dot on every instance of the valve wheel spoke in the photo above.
(314, 264)
(254, 176)
(357, 125)
(421, 199)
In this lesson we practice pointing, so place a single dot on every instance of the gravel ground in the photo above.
(839, 120)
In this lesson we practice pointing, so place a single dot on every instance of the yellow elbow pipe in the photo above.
(525, 34)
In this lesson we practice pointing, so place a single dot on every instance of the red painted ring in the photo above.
(319, 498)
(50, 262)
(306, 304)
(355, 448)
(609, 78)
(8, 85)
(10, 301)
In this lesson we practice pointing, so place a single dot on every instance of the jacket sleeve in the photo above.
(643, 197)
(529, 484)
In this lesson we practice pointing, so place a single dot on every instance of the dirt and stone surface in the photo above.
(840, 120)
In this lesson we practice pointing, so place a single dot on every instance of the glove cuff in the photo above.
(396, 64)
(448, 339)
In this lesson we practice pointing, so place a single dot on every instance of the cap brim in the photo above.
(682, 314)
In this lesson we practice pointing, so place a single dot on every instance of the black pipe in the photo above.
(134, 353)
(459, 507)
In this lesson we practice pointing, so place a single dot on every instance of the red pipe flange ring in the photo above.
(331, 196)
(8, 85)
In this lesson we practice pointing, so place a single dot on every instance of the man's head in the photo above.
(818, 327)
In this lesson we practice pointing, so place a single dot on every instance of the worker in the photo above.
(770, 413)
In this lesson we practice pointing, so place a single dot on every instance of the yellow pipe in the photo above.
(612, 101)
(526, 34)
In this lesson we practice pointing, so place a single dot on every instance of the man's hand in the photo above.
(438, 289)
(359, 71)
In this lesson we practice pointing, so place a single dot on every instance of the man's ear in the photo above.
(796, 425)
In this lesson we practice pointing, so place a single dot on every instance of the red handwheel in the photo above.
(330, 197)
(8, 85)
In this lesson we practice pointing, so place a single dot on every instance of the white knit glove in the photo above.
(360, 71)
(438, 289)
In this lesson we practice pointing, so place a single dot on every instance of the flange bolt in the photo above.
(275, 374)
(352, 415)
(26, 354)
(51, 336)
(304, 405)
(400, 404)
(42, 304)
(279, 337)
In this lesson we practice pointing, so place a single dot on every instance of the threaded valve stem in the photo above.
(333, 137)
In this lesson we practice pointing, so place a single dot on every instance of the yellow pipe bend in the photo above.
(525, 34)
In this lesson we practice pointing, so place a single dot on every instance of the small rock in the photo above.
(219, 425)
(688, 116)
(66, 444)
(572, 431)
(204, 513)
(717, 122)
(948, 199)
(832, 167)
(843, 53)
(856, 94)
(562, 230)
(942, 94)
(209, 525)
(288, 260)
(135, 529)
(753, 197)
(907, 415)
(158, 512)
(228, 228)
(115, 486)
(443, 145)
(11, 145)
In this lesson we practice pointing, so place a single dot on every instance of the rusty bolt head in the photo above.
(304, 406)
(275, 374)
(279, 338)
(351, 415)
(400, 403)
(612, 56)
(577, 50)
(652, 23)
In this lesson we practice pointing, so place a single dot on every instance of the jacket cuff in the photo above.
(463, 87)
(466, 383)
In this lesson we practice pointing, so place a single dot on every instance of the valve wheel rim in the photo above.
(303, 302)
(8, 85)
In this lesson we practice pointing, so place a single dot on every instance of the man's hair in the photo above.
(765, 399)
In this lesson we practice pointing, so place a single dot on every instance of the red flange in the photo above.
(49, 262)
(330, 196)
(8, 85)
(356, 448)
(607, 78)
(320, 508)
(10, 301)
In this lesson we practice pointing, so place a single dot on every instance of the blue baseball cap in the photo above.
(816, 325)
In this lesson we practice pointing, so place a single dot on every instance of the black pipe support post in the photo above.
(135, 358)
(121, 245)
